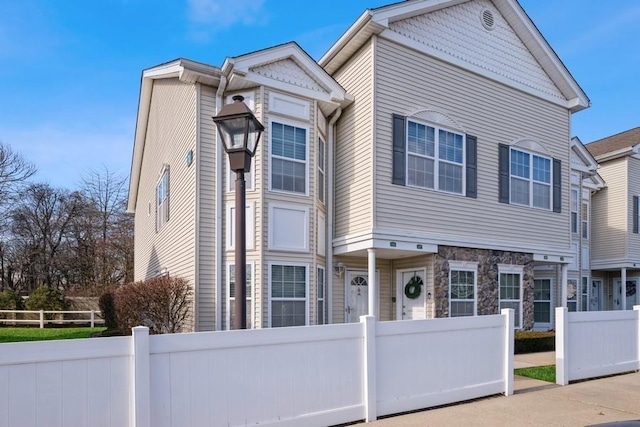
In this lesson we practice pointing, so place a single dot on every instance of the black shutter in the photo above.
(635, 214)
(503, 173)
(557, 185)
(472, 166)
(399, 144)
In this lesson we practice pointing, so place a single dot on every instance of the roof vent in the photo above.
(488, 21)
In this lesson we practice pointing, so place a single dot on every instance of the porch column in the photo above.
(623, 287)
(373, 283)
(564, 270)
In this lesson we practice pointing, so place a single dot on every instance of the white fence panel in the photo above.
(433, 362)
(290, 376)
(66, 383)
(596, 344)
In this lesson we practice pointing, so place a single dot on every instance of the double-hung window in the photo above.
(585, 220)
(572, 295)
(162, 199)
(462, 290)
(531, 182)
(232, 295)
(511, 291)
(574, 211)
(288, 158)
(542, 301)
(321, 290)
(435, 158)
(288, 295)
(321, 169)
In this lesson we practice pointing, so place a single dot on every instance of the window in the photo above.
(321, 169)
(435, 158)
(584, 294)
(530, 179)
(462, 289)
(542, 301)
(249, 178)
(288, 295)
(250, 226)
(636, 214)
(162, 199)
(585, 220)
(288, 158)
(572, 295)
(574, 211)
(321, 290)
(231, 292)
(511, 291)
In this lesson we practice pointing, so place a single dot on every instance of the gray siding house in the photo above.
(421, 168)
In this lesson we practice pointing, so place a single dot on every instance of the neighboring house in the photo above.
(412, 173)
(615, 252)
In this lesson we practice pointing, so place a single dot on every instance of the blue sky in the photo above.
(70, 69)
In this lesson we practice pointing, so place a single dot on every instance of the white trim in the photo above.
(465, 266)
(251, 297)
(305, 231)
(512, 269)
(399, 285)
(287, 264)
(325, 299)
(300, 125)
(321, 233)
(300, 110)
(530, 179)
(544, 326)
(251, 226)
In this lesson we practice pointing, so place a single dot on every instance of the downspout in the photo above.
(218, 211)
(331, 133)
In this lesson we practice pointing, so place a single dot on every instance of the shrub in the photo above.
(107, 305)
(162, 304)
(45, 298)
(534, 342)
(10, 300)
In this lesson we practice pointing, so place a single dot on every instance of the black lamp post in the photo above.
(240, 132)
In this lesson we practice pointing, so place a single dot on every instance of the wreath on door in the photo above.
(413, 288)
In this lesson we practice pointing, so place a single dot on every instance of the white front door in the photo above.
(630, 296)
(357, 295)
(596, 295)
(410, 294)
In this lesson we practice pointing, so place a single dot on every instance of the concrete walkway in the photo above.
(537, 403)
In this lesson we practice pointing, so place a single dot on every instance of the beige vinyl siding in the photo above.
(171, 133)
(612, 213)
(205, 157)
(353, 148)
(633, 248)
(408, 81)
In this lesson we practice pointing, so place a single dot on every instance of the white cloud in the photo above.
(208, 16)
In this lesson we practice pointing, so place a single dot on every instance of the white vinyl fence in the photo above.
(300, 376)
(59, 317)
(595, 344)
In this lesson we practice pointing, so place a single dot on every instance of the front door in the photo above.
(630, 295)
(410, 294)
(357, 295)
(596, 295)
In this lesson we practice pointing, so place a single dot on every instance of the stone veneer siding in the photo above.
(487, 281)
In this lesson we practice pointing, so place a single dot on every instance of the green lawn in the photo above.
(37, 334)
(544, 373)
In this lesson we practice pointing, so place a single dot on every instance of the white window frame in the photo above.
(306, 298)
(584, 293)
(574, 211)
(250, 224)
(321, 179)
(272, 228)
(162, 207)
(436, 158)
(530, 179)
(249, 178)
(515, 270)
(466, 267)
(295, 124)
(543, 301)
(573, 302)
(323, 297)
(584, 216)
(249, 297)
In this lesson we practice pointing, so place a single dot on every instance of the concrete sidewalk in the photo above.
(537, 403)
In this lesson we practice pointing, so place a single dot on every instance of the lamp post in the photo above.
(240, 132)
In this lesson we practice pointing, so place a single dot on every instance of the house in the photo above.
(615, 253)
(412, 172)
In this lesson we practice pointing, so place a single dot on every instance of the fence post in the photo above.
(93, 318)
(41, 319)
(562, 346)
(509, 325)
(636, 309)
(141, 399)
(369, 365)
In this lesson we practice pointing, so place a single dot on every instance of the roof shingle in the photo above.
(615, 142)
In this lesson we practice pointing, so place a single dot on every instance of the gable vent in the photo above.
(488, 21)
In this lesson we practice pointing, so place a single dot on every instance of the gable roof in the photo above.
(379, 21)
(587, 166)
(614, 146)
